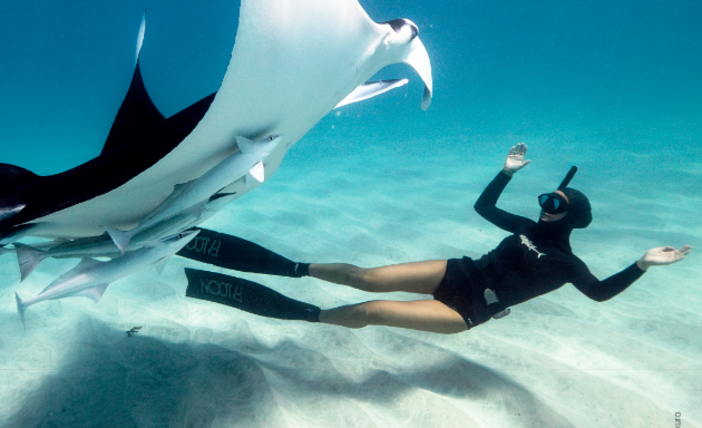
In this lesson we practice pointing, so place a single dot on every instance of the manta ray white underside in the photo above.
(292, 63)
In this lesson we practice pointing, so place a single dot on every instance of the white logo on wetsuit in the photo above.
(531, 246)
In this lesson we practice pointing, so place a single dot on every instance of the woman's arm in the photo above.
(604, 290)
(601, 291)
(486, 203)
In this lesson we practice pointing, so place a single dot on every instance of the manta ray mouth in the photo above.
(399, 24)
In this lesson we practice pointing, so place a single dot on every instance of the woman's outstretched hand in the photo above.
(662, 256)
(515, 160)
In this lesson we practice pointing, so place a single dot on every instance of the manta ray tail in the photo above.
(119, 237)
(21, 308)
(28, 258)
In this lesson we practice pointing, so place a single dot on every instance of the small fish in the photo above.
(29, 257)
(91, 277)
(248, 162)
(134, 330)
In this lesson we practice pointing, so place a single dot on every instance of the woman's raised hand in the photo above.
(662, 256)
(515, 160)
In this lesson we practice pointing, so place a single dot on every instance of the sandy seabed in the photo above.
(560, 360)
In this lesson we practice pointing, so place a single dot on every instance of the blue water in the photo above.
(614, 87)
(503, 67)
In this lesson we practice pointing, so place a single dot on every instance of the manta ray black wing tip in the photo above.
(14, 182)
(138, 113)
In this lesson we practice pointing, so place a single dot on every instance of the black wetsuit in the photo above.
(525, 265)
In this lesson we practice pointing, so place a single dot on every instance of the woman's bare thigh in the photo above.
(417, 277)
(423, 315)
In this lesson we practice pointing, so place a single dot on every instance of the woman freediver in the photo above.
(534, 260)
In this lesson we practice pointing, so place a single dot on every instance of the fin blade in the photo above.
(247, 296)
(28, 258)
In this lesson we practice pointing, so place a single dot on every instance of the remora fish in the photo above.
(91, 277)
(29, 256)
(292, 62)
(248, 163)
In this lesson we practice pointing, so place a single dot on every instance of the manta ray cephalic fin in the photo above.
(418, 58)
(370, 90)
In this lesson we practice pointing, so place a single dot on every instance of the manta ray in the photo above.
(293, 62)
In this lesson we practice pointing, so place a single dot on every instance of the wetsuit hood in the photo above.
(557, 233)
(579, 209)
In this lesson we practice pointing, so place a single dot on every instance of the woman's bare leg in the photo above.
(418, 277)
(422, 315)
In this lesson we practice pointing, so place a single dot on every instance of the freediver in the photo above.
(534, 260)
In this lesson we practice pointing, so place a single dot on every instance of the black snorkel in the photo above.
(568, 177)
(563, 200)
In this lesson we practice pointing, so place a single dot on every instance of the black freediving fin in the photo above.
(231, 252)
(247, 296)
(137, 113)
